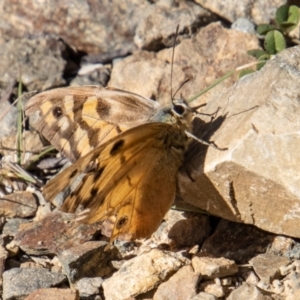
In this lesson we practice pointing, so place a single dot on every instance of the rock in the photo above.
(95, 74)
(102, 27)
(238, 242)
(228, 281)
(12, 248)
(19, 283)
(284, 246)
(191, 55)
(53, 294)
(204, 296)
(130, 73)
(38, 262)
(87, 260)
(247, 291)
(55, 233)
(32, 141)
(267, 266)
(42, 212)
(251, 278)
(19, 204)
(294, 253)
(11, 226)
(88, 286)
(211, 268)
(244, 25)
(182, 285)
(161, 235)
(213, 287)
(188, 15)
(8, 115)
(281, 246)
(191, 231)
(255, 180)
(141, 274)
(89, 21)
(277, 287)
(291, 286)
(56, 265)
(40, 62)
(183, 228)
(3, 257)
(259, 11)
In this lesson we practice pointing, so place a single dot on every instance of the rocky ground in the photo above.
(247, 246)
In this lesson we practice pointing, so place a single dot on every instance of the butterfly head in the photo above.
(180, 108)
(182, 112)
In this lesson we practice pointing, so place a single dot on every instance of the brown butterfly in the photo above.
(126, 150)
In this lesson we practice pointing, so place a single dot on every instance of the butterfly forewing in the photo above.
(77, 119)
(131, 177)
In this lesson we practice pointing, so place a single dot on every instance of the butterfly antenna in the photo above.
(172, 61)
(181, 85)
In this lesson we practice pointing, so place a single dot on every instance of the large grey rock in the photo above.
(102, 26)
(87, 260)
(20, 282)
(261, 11)
(37, 63)
(256, 180)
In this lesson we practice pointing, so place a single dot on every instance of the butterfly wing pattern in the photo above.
(75, 120)
(130, 176)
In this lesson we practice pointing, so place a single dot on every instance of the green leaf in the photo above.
(265, 57)
(274, 42)
(293, 19)
(257, 53)
(263, 29)
(294, 15)
(245, 72)
(282, 14)
(263, 60)
(287, 17)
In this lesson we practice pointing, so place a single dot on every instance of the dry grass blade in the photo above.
(11, 170)
(39, 156)
(219, 80)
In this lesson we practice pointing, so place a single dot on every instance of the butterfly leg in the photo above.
(212, 115)
(210, 144)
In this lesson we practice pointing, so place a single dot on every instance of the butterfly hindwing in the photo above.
(122, 179)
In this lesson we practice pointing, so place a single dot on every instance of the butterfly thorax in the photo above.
(180, 117)
(175, 141)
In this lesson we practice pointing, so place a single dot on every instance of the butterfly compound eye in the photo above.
(179, 109)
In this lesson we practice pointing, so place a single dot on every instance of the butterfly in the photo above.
(126, 151)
